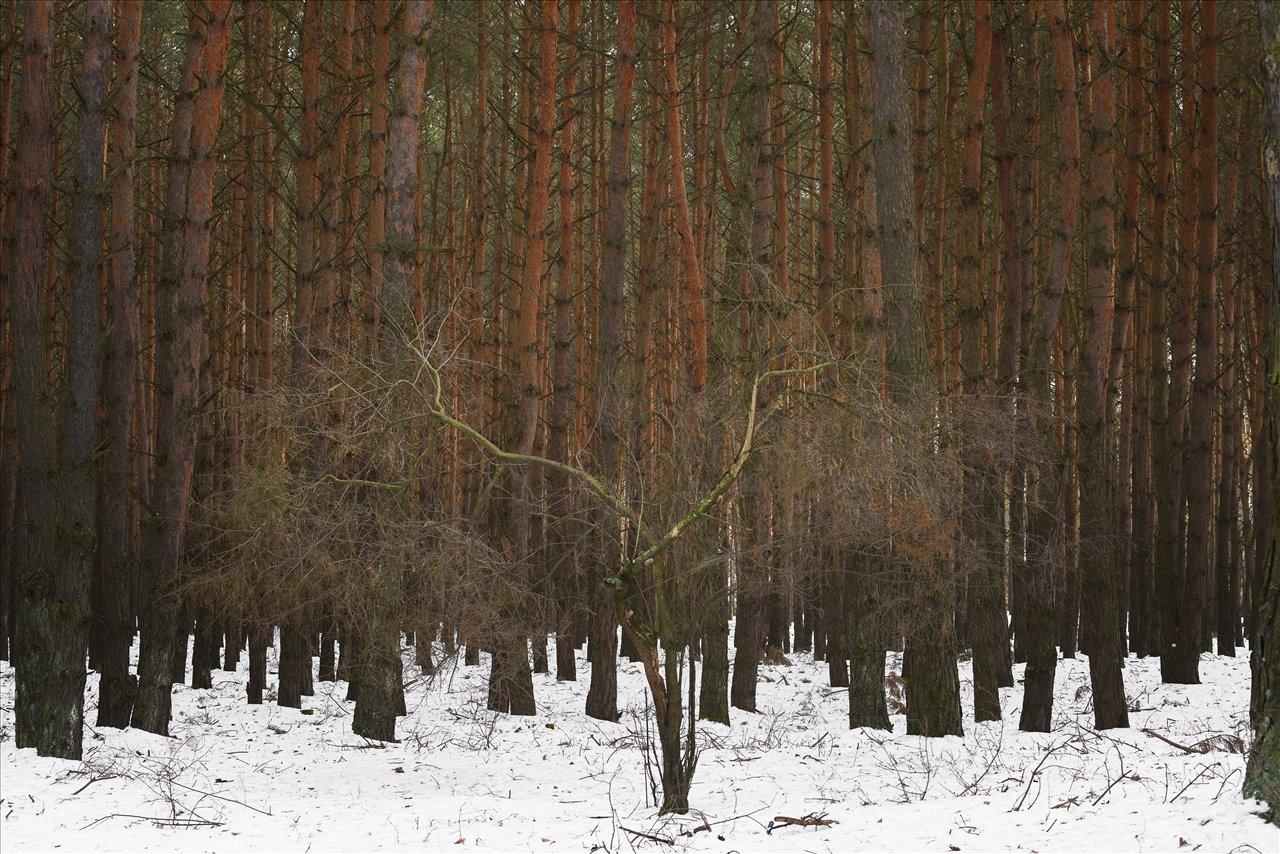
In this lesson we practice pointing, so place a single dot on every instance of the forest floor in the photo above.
(236, 777)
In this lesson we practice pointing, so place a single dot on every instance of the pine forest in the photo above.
(606, 425)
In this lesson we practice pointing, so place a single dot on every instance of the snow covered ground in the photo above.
(261, 778)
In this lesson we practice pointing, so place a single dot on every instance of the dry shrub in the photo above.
(333, 499)
(892, 484)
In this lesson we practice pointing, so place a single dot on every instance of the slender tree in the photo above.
(602, 697)
(933, 685)
(1179, 622)
(1262, 777)
(1100, 583)
(181, 288)
(1205, 386)
(56, 475)
(560, 556)
(118, 516)
(379, 668)
(983, 573)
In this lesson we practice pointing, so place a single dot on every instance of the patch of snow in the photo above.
(236, 777)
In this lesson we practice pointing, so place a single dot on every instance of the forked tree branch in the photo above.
(657, 545)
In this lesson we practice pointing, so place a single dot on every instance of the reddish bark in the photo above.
(694, 297)
(379, 63)
(602, 697)
(118, 517)
(180, 298)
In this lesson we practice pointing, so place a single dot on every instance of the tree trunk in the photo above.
(602, 697)
(933, 685)
(118, 516)
(51, 634)
(1046, 537)
(9, 515)
(1138, 291)
(180, 298)
(1163, 479)
(1179, 629)
(561, 554)
(753, 494)
(1231, 492)
(982, 570)
(378, 672)
(259, 640)
(867, 707)
(510, 675)
(1200, 474)
(370, 313)
(1262, 777)
(1100, 583)
(1010, 336)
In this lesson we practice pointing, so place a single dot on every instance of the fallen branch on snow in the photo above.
(810, 820)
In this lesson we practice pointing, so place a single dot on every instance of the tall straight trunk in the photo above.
(475, 294)
(781, 328)
(753, 499)
(118, 513)
(306, 321)
(79, 437)
(1206, 384)
(1137, 289)
(1164, 481)
(1180, 658)
(933, 686)
(401, 182)
(1121, 380)
(826, 182)
(1226, 530)
(515, 687)
(10, 515)
(270, 143)
(331, 276)
(849, 575)
(694, 298)
(1035, 96)
(1067, 355)
(1262, 776)
(378, 672)
(920, 131)
(861, 639)
(306, 208)
(1230, 523)
(370, 312)
(602, 696)
(982, 565)
(350, 218)
(260, 17)
(1010, 330)
(1100, 583)
(180, 299)
(51, 634)
(561, 556)
(1046, 534)
(9, 518)
(942, 183)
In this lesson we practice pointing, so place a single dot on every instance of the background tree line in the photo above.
(997, 273)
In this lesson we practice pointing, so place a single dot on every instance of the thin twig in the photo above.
(1036, 771)
(651, 837)
(93, 780)
(215, 795)
(1170, 742)
(1203, 771)
(1123, 776)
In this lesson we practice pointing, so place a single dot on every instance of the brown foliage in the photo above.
(275, 540)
